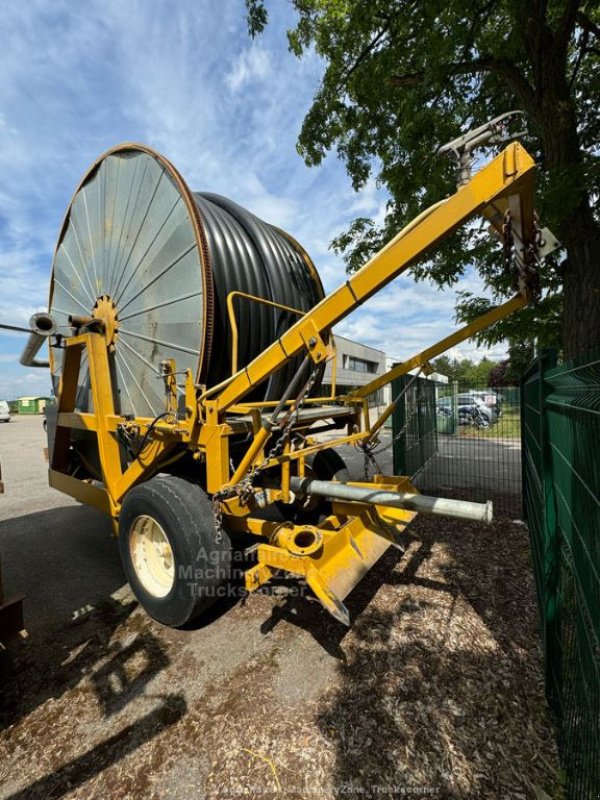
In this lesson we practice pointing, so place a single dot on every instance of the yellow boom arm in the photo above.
(506, 183)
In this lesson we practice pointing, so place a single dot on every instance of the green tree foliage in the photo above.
(469, 374)
(403, 77)
(510, 371)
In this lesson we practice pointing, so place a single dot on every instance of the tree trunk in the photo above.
(581, 287)
(578, 232)
(553, 110)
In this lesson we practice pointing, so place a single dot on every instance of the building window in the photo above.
(355, 364)
(376, 398)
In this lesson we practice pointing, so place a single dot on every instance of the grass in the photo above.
(507, 427)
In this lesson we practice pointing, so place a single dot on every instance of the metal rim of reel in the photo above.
(98, 230)
(206, 330)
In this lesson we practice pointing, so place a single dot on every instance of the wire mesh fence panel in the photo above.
(462, 440)
(414, 425)
(561, 433)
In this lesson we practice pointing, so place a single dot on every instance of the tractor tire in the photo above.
(169, 549)
(326, 465)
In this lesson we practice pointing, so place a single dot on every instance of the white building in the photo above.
(355, 365)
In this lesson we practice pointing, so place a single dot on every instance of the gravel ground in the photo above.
(435, 690)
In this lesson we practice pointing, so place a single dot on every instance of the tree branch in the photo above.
(583, 48)
(362, 55)
(586, 23)
(567, 22)
(588, 29)
(500, 66)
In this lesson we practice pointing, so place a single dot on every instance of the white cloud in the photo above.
(26, 384)
(252, 63)
(79, 78)
(407, 317)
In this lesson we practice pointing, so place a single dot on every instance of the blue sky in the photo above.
(77, 78)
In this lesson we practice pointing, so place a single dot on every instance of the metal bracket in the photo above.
(494, 132)
(317, 349)
(168, 373)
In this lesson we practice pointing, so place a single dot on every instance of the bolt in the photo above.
(312, 342)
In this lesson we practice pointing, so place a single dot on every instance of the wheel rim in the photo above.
(152, 556)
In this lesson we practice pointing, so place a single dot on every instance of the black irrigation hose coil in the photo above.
(166, 259)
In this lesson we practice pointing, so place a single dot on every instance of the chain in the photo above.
(508, 244)
(531, 261)
(218, 516)
(245, 488)
(289, 421)
(369, 458)
(370, 451)
(529, 272)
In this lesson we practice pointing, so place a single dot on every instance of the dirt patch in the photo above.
(436, 688)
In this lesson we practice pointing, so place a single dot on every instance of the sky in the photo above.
(186, 79)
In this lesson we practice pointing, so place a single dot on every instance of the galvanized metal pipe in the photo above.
(42, 326)
(439, 506)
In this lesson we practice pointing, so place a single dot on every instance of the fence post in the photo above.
(398, 421)
(522, 410)
(454, 407)
(547, 361)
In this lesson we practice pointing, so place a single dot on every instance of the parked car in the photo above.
(4, 411)
(472, 410)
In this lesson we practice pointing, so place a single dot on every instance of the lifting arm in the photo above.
(505, 183)
(425, 356)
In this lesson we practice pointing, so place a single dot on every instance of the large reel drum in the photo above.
(157, 263)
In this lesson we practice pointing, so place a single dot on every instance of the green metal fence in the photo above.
(449, 451)
(414, 423)
(561, 489)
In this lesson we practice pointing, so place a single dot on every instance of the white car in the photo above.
(4, 411)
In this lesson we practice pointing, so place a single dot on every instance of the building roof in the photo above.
(337, 336)
(37, 397)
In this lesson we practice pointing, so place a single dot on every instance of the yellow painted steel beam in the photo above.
(251, 454)
(214, 439)
(102, 397)
(116, 477)
(510, 173)
(82, 491)
(83, 422)
(295, 455)
(339, 554)
(147, 463)
(466, 332)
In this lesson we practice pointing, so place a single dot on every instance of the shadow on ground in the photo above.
(64, 559)
(442, 689)
(51, 667)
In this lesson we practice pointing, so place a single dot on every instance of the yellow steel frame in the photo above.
(506, 179)
(354, 536)
(235, 336)
(505, 183)
(350, 541)
(117, 478)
